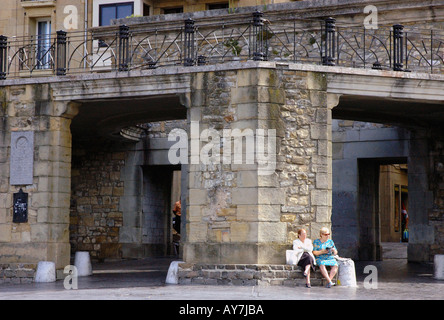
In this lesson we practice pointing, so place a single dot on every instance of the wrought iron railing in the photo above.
(123, 48)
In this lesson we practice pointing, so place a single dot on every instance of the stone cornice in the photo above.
(412, 85)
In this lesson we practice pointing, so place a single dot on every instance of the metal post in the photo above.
(152, 64)
(258, 40)
(3, 57)
(61, 53)
(329, 42)
(201, 60)
(189, 43)
(377, 66)
(398, 47)
(123, 48)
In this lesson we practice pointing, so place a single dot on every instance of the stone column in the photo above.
(45, 236)
(235, 212)
(233, 209)
(425, 175)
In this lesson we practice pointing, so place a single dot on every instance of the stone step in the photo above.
(17, 272)
(245, 274)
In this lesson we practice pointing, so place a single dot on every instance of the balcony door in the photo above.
(43, 43)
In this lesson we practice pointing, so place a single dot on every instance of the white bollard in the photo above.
(346, 272)
(438, 263)
(45, 272)
(172, 276)
(82, 262)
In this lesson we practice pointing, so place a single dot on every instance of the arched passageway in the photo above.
(122, 185)
(370, 133)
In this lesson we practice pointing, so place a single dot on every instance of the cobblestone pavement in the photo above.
(145, 280)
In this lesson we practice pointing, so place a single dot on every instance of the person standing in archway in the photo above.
(176, 226)
(177, 212)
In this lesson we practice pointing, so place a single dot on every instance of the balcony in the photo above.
(38, 3)
(191, 43)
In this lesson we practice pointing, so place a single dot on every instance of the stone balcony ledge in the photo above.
(38, 3)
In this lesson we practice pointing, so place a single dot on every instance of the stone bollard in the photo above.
(172, 276)
(346, 272)
(438, 263)
(82, 262)
(45, 272)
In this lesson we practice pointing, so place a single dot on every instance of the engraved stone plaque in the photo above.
(22, 157)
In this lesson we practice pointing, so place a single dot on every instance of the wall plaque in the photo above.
(22, 157)
(20, 207)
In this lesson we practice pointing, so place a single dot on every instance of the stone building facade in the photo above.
(100, 185)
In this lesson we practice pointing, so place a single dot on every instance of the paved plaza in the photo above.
(145, 280)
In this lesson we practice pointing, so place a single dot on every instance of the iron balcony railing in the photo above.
(323, 42)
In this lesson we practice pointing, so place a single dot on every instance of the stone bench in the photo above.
(245, 275)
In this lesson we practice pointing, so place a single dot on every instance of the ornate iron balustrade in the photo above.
(302, 41)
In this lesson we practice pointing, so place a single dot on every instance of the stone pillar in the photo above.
(425, 201)
(369, 247)
(233, 210)
(235, 213)
(45, 236)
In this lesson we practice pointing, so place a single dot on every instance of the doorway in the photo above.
(394, 204)
(382, 207)
(161, 190)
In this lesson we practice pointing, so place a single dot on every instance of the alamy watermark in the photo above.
(204, 147)
(71, 21)
(371, 281)
(371, 20)
(70, 281)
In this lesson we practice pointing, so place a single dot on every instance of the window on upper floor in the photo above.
(214, 6)
(43, 37)
(108, 12)
(172, 10)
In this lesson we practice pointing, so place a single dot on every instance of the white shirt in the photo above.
(301, 247)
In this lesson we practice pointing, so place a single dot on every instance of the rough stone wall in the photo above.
(305, 154)
(95, 216)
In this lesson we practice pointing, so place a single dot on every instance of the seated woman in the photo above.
(304, 248)
(324, 249)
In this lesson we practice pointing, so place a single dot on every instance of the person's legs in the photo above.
(333, 271)
(307, 274)
(324, 272)
(307, 270)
